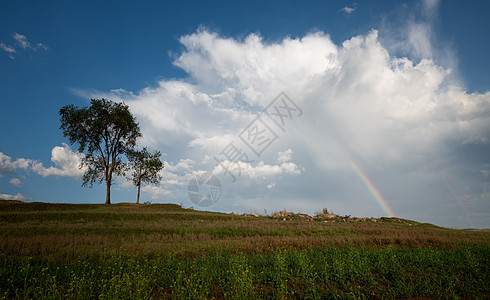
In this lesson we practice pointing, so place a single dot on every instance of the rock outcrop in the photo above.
(329, 217)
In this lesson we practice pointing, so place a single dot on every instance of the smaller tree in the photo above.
(145, 166)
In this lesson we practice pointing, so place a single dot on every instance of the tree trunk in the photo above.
(108, 195)
(138, 199)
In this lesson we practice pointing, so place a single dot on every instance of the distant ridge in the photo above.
(476, 229)
(11, 201)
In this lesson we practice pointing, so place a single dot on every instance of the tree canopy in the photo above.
(145, 166)
(104, 131)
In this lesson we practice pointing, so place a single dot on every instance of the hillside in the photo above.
(78, 229)
(165, 251)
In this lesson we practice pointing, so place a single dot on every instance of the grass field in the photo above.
(163, 251)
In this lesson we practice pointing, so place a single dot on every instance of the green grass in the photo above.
(314, 274)
(53, 251)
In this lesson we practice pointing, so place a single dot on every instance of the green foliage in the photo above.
(324, 211)
(104, 131)
(238, 279)
(145, 166)
(283, 274)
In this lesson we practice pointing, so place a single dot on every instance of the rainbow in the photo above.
(372, 189)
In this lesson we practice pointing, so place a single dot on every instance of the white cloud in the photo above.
(419, 36)
(184, 165)
(7, 48)
(250, 73)
(285, 156)
(23, 43)
(16, 182)
(66, 163)
(156, 192)
(42, 46)
(430, 6)
(178, 175)
(18, 197)
(260, 170)
(22, 40)
(213, 144)
(349, 9)
(8, 166)
(415, 35)
(363, 91)
(10, 50)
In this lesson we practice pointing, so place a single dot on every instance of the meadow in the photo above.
(80, 251)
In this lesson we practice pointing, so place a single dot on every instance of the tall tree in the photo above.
(145, 166)
(105, 131)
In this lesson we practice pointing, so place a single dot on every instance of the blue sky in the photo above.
(395, 100)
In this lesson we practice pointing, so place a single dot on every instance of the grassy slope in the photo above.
(70, 230)
(160, 248)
